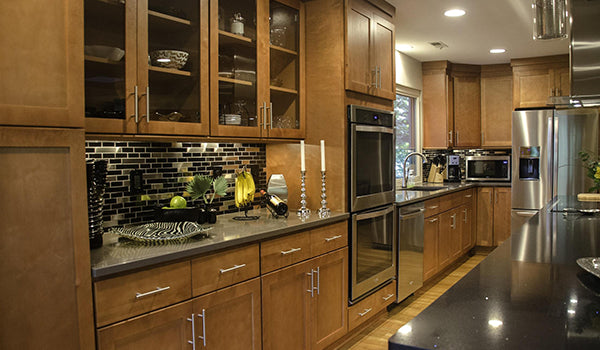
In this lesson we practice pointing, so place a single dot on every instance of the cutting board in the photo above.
(588, 197)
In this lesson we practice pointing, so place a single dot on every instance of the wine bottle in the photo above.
(275, 204)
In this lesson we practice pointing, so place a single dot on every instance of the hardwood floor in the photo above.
(376, 335)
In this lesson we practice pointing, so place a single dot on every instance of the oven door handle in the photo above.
(412, 215)
(374, 214)
(372, 128)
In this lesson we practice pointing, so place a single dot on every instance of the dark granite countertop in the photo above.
(529, 293)
(118, 255)
(406, 196)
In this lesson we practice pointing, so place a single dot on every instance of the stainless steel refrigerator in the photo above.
(545, 153)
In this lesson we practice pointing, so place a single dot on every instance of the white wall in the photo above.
(408, 72)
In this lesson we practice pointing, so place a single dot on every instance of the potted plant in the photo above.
(206, 187)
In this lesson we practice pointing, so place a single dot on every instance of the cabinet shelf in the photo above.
(284, 90)
(170, 71)
(235, 81)
(169, 17)
(101, 60)
(230, 38)
(113, 2)
(282, 49)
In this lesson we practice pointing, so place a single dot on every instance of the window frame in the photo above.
(418, 127)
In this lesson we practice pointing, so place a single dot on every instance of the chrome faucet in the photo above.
(405, 179)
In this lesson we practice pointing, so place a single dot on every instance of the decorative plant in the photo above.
(200, 186)
(593, 169)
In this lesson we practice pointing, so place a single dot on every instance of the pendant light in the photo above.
(549, 19)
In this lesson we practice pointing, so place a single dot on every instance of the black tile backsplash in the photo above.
(166, 168)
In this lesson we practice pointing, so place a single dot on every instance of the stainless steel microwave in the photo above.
(487, 168)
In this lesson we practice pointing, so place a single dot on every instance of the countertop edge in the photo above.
(452, 187)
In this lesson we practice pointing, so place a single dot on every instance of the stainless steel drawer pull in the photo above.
(433, 220)
(332, 238)
(235, 267)
(468, 195)
(361, 314)
(293, 250)
(433, 207)
(157, 290)
(193, 341)
(203, 317)
(388, 297)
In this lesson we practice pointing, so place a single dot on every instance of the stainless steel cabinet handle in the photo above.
(433, 207)
(318, 271)
(193, 341)
(203, 336)
(379, 77)
(332, 238)
(135, 97)
(374, 71)
(465, 211)
(235, 267)
(311, 290)
(361, 314)
(270, 115)
(157, 290)
(433, 220)
(147, 104)
(290, 251)
(264, 115)
(453, 221)
(450, 139)
(468, 195)
(388, 297)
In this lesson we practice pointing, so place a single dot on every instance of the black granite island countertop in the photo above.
(529, 293)
(119, 255)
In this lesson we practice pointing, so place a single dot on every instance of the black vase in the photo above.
(212, 215)
(202, 215)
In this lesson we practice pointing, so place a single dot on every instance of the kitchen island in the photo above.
(529, 293)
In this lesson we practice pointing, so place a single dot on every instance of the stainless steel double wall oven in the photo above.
(371, 202)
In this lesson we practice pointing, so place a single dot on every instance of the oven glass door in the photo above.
(373, 250)
(372, 166)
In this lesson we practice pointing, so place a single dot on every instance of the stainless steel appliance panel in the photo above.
(411, 225)
(532, 137)
(575, 130)
(585, 35)
(373, 250)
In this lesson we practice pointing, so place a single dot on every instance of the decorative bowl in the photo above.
(108, 52)
(161, 232)
(169, 58)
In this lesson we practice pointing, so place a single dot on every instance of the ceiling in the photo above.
(487, 24)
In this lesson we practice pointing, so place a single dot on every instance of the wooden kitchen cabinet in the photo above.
(257, 69)
(438, 109)
(430, 246)
(42, 64)
(304, 305)
(44, 256)
(493, 215)
(229, 318)
(537, 79)
(496, 106)
(137, 93)
(467, 102)
(369, 57)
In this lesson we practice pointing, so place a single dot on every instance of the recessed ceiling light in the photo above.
(404, 47)
(454, 13)
(497, 50)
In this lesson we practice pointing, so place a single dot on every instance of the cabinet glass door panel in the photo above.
(105, 52)
(284, 66)
(174, 62)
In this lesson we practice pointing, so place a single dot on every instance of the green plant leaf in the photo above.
(199, 185)
(220, 186)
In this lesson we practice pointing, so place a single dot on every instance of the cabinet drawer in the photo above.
(432, 206)
(466, 196)
(284, 251)
(328, 238)
(223, 269)
(371, 305)
(450, 201)
(134, 294)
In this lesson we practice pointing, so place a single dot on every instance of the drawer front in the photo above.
(223, 269)
(467, 196)
(432, 207)
(134, 294)
(450, 201)
(328, 238)
(284, 251)
(370, 306)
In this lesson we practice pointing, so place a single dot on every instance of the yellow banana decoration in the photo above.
(244, 189)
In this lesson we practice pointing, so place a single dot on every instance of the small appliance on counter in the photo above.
(452, 168)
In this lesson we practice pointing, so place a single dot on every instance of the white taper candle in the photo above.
(302, 162)
(322, 155)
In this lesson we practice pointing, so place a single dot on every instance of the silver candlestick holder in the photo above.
(324, 212)
(303, 212)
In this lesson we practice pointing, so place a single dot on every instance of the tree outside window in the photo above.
(404, 113)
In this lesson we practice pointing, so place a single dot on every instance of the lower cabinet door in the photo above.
(445, 244)
(466, 214)
(229, 318)
(286, 307)
(430, 247)
(330, 299)
(166, 329)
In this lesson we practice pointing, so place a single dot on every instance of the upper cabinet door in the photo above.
(173, 67)
(467, 111)
(110, 66)
(41, 68)
(285, 117)
(236, 49)
(383, 57)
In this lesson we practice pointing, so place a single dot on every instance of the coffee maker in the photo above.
(452, 168)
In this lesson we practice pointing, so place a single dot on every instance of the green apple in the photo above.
(178, 202)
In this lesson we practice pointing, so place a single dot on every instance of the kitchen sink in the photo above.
(425, 188)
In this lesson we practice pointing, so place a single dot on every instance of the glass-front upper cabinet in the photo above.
(256, 69)
(162, 85)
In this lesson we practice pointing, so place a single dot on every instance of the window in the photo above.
(407, 130)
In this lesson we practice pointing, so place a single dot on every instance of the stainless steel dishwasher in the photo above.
(411, 223)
